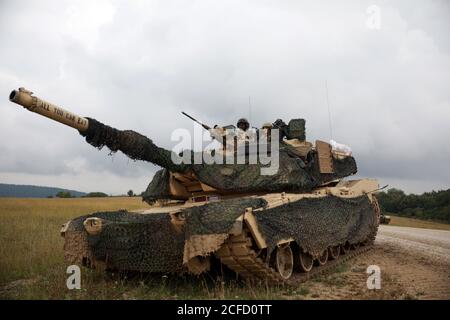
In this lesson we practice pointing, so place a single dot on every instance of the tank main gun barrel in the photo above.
(97, 134)
(26, 99)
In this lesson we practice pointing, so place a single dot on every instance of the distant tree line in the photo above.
(67, 194)
(433, 205)
(64, 194)
(96, 195)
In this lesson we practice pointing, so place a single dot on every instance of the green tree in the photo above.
(96, 195)
(64, 194)
(429, 205)
(130, 193)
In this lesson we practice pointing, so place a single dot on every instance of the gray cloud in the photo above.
(136, 65)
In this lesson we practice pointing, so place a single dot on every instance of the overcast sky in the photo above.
(137, 64)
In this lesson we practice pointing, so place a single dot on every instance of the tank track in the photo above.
(237, 253)
(298, 277)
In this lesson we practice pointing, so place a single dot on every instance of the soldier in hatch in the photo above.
(240, 135)
(266, 131)
(243, 124)
(243, 134)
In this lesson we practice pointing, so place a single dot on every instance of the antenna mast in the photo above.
(249, 110)
(329, 112)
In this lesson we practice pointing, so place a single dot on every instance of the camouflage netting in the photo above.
(296, 129)
(150, 243)
(134, 242)
(292, 176)
(134, 145)
(218, 217)
(316, 223)
(342, 168)
(158, 187)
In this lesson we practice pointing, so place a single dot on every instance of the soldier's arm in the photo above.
(218, 133)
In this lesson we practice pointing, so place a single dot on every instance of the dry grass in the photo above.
(29, 231)
(416, 223)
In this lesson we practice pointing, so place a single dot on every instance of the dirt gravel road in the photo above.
(414, 263)
(434, 244)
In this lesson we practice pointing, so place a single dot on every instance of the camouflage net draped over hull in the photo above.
(218, 217)
(132, 242)
(317, 223)
(150, 243)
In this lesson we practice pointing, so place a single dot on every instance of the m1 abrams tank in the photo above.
(275, 225)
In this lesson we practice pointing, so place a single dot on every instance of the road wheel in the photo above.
(323, 258)
(284, 261)
(334, 252)
(305, 261)
(345, 248)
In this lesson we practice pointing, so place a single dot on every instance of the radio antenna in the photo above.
(329, 112)
(249, 110)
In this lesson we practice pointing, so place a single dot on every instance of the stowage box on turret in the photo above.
(259, 221)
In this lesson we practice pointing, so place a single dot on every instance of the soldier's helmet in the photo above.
(267, 125)
(243, 124)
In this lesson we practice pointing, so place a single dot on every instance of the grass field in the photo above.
(416, 223)
(32, 265)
